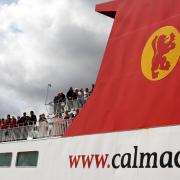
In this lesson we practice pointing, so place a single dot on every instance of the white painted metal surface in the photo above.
(54, 153)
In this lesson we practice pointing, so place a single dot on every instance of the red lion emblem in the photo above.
(161, 45)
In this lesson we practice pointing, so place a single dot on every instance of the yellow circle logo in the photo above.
(161, 53)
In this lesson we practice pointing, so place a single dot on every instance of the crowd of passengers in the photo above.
(65, 107)
(74, 99)
(12, 122)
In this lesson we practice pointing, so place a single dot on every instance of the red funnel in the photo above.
(127, 94)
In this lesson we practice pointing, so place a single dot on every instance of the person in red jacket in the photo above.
(13, 122)
(3, 124)
(8, 122)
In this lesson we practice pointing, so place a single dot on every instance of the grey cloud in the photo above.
(70, 56)
(7, 107)
(81, 43)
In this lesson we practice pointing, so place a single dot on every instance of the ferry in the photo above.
(129, 128)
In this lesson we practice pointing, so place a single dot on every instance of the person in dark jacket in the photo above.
(62, 97)
(56, 100)
(70, 96)
(92, 88)
(33, 118)
(24, 120)
(62, 102)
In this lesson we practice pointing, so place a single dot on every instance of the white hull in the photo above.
(54, 164)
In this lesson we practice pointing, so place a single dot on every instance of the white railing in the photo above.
(26, 132)
(68, 105)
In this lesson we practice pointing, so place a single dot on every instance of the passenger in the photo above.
(17, 131)
(3, 124)
(86, 94)
(22, 132)
(61, 102)
(7, 126)
(18, 118)
(8, 121)
(80, 98)
(13, 122)
(55, 104)
(24, 120)
(58, 125)
(70, 97)
(44, 117)
(43, 126)
(12, 132)
(3, 132)
(33, 119)
(75, 102)
(40, 118)
(92, 88)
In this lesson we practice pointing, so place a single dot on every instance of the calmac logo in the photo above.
(161, 53)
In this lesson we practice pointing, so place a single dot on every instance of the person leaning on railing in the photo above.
(23, 121)
(43, 126)
(61, 102)
(55, 104)
(3, 124)
(8, 121)
(33, 119)
(13, 122)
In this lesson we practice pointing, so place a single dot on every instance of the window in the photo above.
(27, 159)
(5, 159)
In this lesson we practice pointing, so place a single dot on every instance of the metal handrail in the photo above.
(68, 105)
(26, 132)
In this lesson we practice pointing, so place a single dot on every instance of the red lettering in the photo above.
(87, 160)
(74, 161)
(101, 159)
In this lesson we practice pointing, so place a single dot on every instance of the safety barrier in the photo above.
(57, 127)
(68, 105)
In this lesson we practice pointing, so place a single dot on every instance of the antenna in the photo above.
(47, 95)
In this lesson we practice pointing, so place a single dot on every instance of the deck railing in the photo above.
(26, 132)
(68, 105)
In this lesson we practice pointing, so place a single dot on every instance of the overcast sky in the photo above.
(47, 41)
